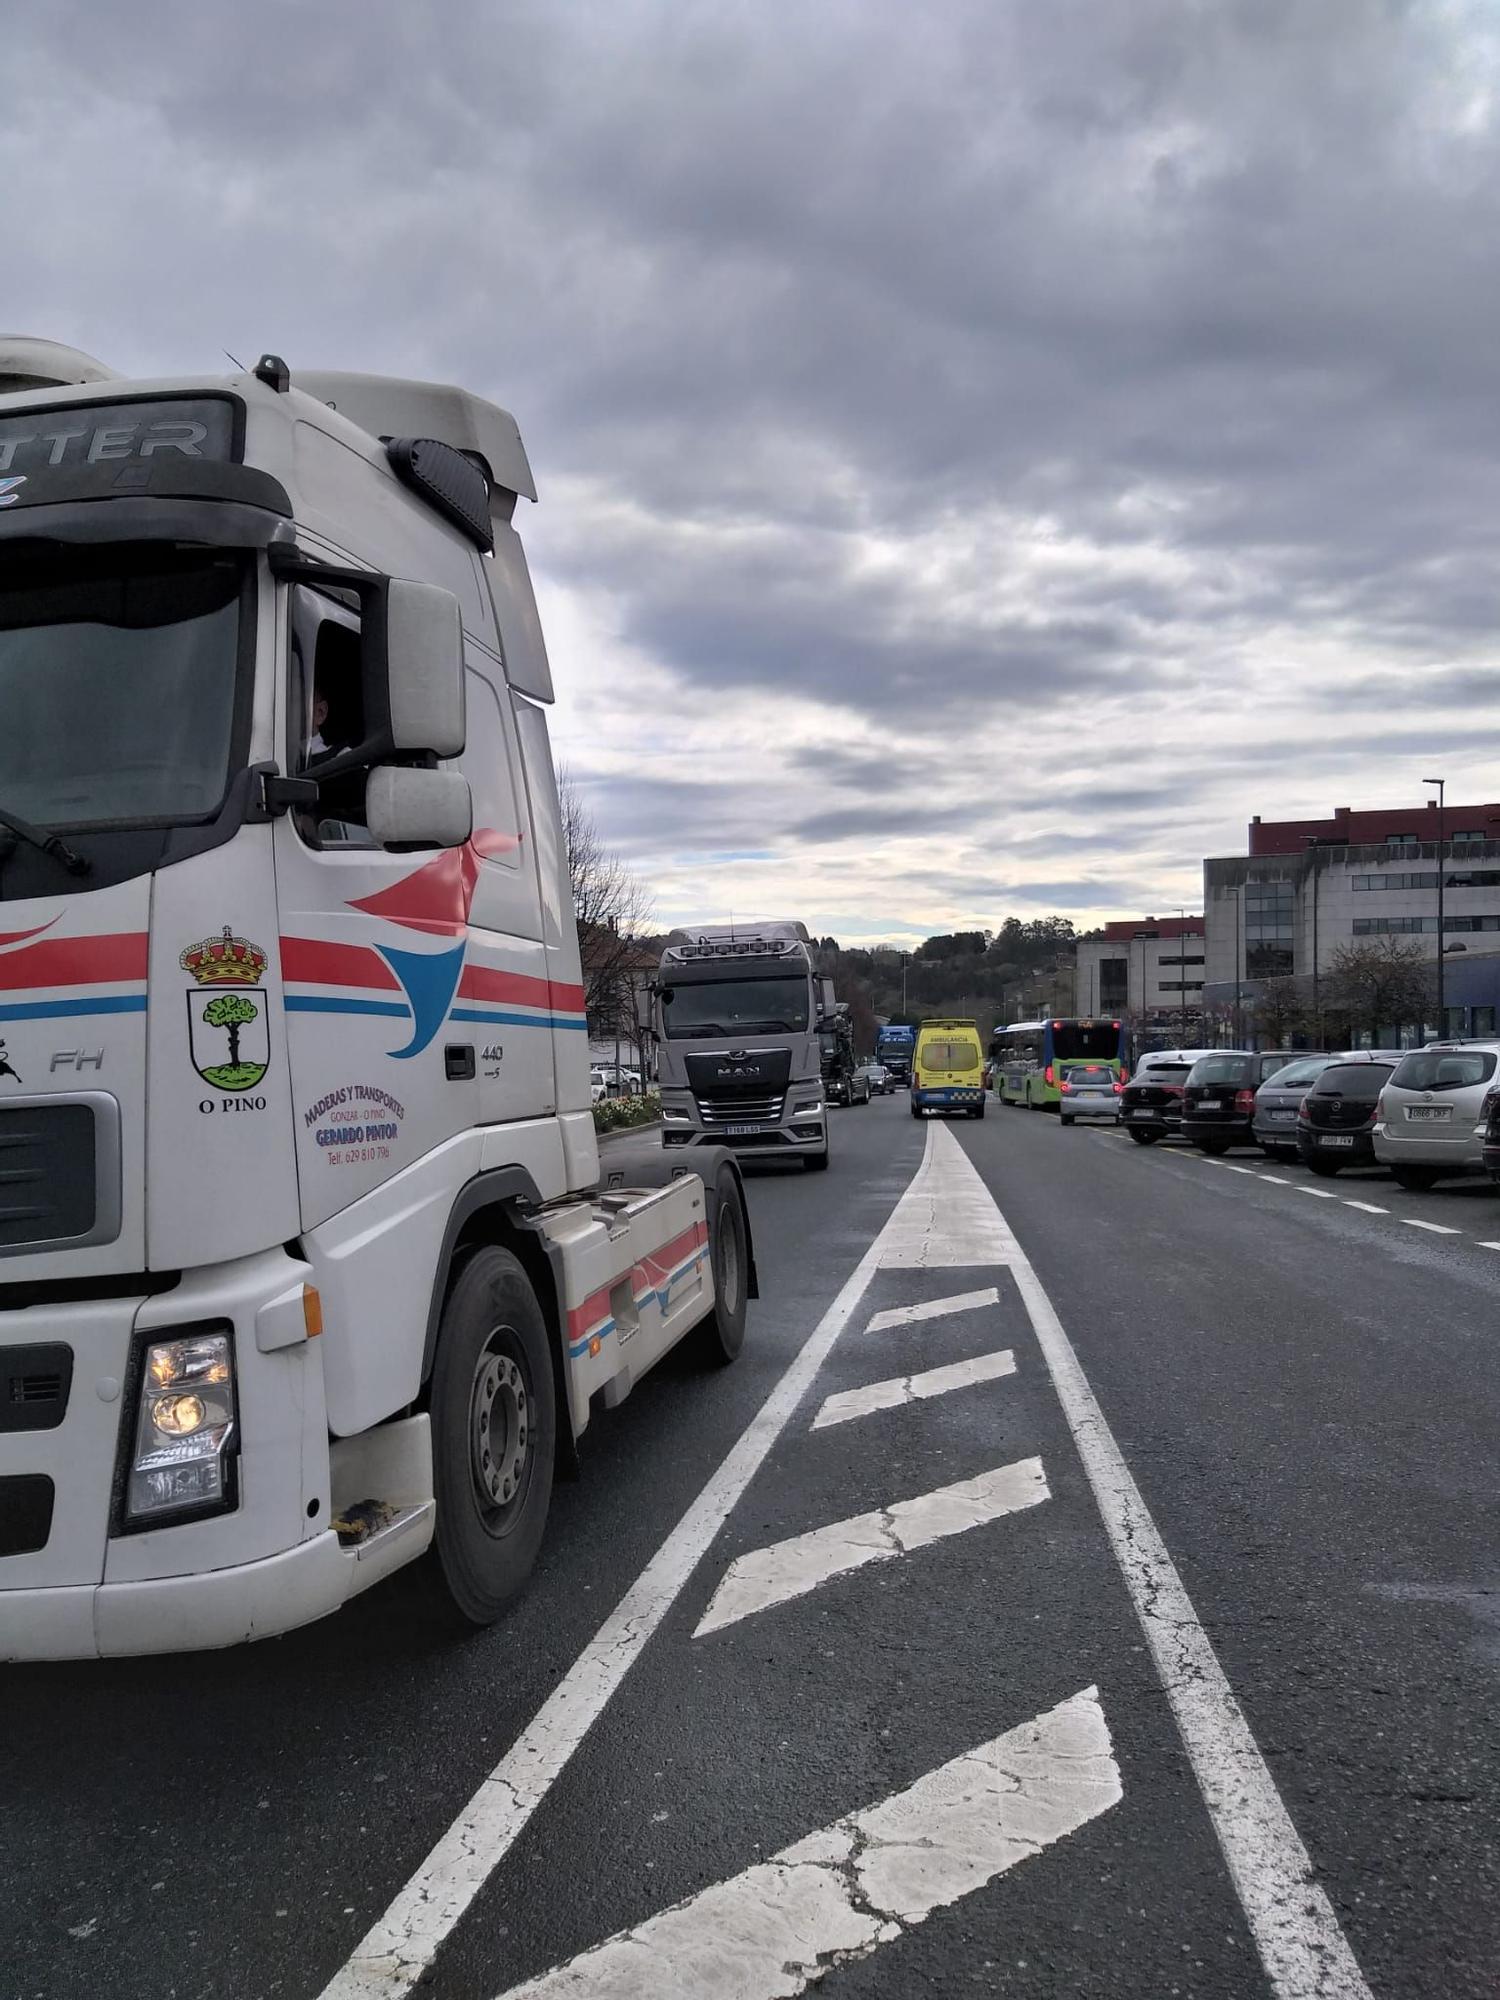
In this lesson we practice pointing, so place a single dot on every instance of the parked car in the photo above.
(1151, 1102)
(1336, 1124)
(598, 1087)
(1218, 1099)
(1277, 1100)
(1089, 1090)
(1430, 1120)
(1489, 1118)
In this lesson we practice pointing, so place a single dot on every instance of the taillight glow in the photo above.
(1380, 1107)
(1065, 1086)
(1244, 1100)
(1119, 1090)
(1047, 1075)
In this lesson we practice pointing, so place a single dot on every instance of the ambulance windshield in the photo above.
(118, 674)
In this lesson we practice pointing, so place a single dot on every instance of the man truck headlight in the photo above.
(185, 1433)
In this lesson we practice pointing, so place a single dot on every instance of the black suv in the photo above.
(1218, 1100)
(1151, 1102)
(1336, 1125)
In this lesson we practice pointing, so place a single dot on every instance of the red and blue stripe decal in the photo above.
(110, 960)
(655, 1277)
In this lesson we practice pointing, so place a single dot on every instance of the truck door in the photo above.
(504, 1005)
(372, 945)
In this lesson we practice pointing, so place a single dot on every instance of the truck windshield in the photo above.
(117, 685)
(736, 1006)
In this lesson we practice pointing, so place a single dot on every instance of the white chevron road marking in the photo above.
(842, 1893)
(773, 1575)
(899, 1389)
(933, 1309)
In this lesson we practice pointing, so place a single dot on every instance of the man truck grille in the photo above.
(741, 1110)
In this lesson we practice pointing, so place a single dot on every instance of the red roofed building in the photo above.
(1387, 826)
(1148, 967)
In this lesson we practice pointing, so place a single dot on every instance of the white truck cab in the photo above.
(304, 1270)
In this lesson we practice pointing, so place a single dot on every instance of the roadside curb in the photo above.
(604, 1139)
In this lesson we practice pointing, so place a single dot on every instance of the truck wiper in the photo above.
(49, 843)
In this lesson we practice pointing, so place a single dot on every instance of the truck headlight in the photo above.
(669, 1117)
(186, 1434)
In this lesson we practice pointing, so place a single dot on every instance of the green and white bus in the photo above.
(1027, 1057)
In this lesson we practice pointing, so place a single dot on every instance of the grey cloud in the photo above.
(1204, 293)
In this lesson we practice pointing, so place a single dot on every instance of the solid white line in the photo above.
(1323, 1194)
(840, 1894)
(1301, 1947)
(401, 1945)
(959, 1302)
(1368, 1206)
(1437, 1228)
(899, 1389)
(784, 1570)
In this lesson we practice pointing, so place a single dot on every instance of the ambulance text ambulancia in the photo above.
(305, 1266)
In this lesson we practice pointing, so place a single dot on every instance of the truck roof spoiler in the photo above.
(389, 406)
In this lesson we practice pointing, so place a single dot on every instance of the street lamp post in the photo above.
(1312, 852)
(1442, 1012)
(1239, 940)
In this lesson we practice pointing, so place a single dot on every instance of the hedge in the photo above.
(616, 1114)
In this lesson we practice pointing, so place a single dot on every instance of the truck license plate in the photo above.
(740, 1131)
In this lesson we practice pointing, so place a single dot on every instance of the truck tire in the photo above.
(722, 1334)
(494, 1436)
(816, 1163)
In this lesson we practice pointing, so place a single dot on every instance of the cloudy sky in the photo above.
(987, 451)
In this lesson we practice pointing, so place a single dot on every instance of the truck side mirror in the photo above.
(411, 808)
(424, 669)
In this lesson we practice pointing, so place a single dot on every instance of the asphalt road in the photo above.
(914, 1617)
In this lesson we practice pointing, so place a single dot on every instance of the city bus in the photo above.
(1026, 1057)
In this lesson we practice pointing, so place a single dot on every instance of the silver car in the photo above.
(1088, 1090)
(1276, 1102)
(1428, 1122)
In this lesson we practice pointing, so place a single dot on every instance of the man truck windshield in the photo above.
(736, 1006)
(117, 686)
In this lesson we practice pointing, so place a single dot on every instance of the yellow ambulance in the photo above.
(947, 1071)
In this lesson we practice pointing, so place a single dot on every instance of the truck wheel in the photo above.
(494, 1424)
(722, 1334)
(816, 1163)
(915, 1111)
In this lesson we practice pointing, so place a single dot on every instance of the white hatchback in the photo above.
(1428, 1123)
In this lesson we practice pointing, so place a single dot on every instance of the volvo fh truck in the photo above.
(306, 1270)
(738, 1012)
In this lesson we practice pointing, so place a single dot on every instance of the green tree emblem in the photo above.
(232, 1012)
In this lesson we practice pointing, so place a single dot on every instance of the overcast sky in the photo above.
(986, 451)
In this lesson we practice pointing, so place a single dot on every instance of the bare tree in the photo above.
(1380, 983)
(1281, 1010)
(613, 908)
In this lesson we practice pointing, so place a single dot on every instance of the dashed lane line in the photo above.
(1234, 1169)
(1369, 1207)
(959, 1302)
(1297, 1934)
(1489, 1246)
(784, 1570)
(1276, 1180)
(1322, 1194)
(1437, 1228)
(899, 1389)
(838, 1895)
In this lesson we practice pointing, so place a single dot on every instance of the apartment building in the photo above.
(1306, 887)
(1151, 968)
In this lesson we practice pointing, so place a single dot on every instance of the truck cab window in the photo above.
(326, 707)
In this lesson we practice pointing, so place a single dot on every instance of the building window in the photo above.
(1484, 1021)
(1401, 840)
(1466, 837)
(1114, 984)
(1270, 910)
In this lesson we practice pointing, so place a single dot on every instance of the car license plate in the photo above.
(1335, 1139)
(1425, 1111)
(1210, 1104)
(1140, 1114)
(1281, 1114)
(741, 1131)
